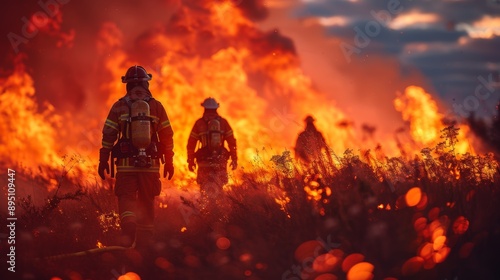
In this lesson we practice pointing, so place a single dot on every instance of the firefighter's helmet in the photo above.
(136, 74)
(210, 103)
(309, 119)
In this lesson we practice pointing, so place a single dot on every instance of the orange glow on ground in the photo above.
(129, 276)
(439, 242)
(245, 257)
(437, 233)
(413, 196)
(223, 243)
(461, 225)
(327, 276)
(351, 260)
(426, 251)
(361, 271)
(441, 255)
(434, 213)
(412, 266)
(307, 250)
(326, 263)
(420, 224)
(163, 263)
(423, 202)
(429, 263)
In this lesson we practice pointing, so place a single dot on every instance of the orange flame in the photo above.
(426, 122)
(32, 131)
(255, 75)
(270, 118)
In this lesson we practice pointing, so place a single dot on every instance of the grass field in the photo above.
(351, 216)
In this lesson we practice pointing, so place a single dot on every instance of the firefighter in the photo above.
(210, 133)
(310, 143)
(145, 138)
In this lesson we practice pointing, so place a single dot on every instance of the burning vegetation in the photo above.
(415, 204)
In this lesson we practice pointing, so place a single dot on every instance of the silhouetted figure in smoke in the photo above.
(210, 133)
(145, 138)
(310, 143)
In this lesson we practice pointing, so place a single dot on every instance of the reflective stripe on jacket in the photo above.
(115, 126)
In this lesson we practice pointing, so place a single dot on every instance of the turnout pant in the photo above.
(136, 192)
(211, 179)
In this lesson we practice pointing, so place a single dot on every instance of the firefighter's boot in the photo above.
(128, 235)
(144, 238)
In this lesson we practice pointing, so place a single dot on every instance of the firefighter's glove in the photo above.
(103, 165)
(103, 162)
(191, 165)
(234, 164)
(168, 169)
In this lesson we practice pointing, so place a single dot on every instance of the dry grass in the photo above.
(354, 202)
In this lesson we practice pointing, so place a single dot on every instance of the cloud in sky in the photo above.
(453, 42)
(414, 19)
(487, 27)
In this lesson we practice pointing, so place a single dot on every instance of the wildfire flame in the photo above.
(425, 121)
(212, 50)
(34, 128)
(265, 117)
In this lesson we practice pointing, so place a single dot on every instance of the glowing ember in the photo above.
(163, 263)
(223, 243)
(327, 276)
(441, 255)
(362, 270)
(412, 266)
(426, 251)
(461, 225)
(439, 242)
(307, 250)
(413, 196)
(420, 224)
(326, 262)
(129, 276)
(352, 260)
(423, 202)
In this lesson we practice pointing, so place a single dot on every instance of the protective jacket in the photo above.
(117, 125)
(200, 133)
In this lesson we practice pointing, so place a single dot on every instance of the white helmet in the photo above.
(210, 103)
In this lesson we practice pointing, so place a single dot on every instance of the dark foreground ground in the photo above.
(360, 219)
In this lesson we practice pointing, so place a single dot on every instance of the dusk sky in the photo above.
(454, 43)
